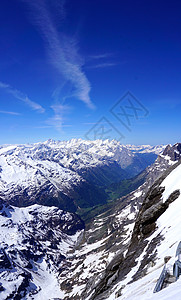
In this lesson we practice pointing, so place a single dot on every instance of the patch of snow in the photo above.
(138, 194)
(172, 182)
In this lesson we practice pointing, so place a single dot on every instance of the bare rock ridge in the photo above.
(174, 152)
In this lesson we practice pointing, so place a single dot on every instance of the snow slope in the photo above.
(168, 228)
(35, 242)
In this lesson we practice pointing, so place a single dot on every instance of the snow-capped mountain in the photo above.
(146, 148)
(66, 173)
(35, 242)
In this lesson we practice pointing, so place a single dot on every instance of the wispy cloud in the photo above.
(59, 116)
(101, 56)
(9, 113)
(21, 96)
(102, 65)
(62, 50)
(101, 61)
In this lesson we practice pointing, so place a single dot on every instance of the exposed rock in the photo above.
(174, 152)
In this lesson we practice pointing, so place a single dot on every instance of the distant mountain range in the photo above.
(70, 174)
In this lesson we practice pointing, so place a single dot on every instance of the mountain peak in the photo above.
(174, 152)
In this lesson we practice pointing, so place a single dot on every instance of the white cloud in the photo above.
(9, 113)
(62, 50)
(20, 96)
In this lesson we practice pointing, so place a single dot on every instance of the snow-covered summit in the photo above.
(147, 148)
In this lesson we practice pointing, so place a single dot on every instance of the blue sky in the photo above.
(90, 69)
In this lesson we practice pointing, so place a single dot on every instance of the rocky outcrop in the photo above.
(174, 152)
(151, 210)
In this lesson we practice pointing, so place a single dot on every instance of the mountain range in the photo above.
(119, 252)
(71, 174)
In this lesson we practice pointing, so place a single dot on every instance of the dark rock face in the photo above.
(152, 209)
(173, 151)
(4, 260)
(112, 273)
